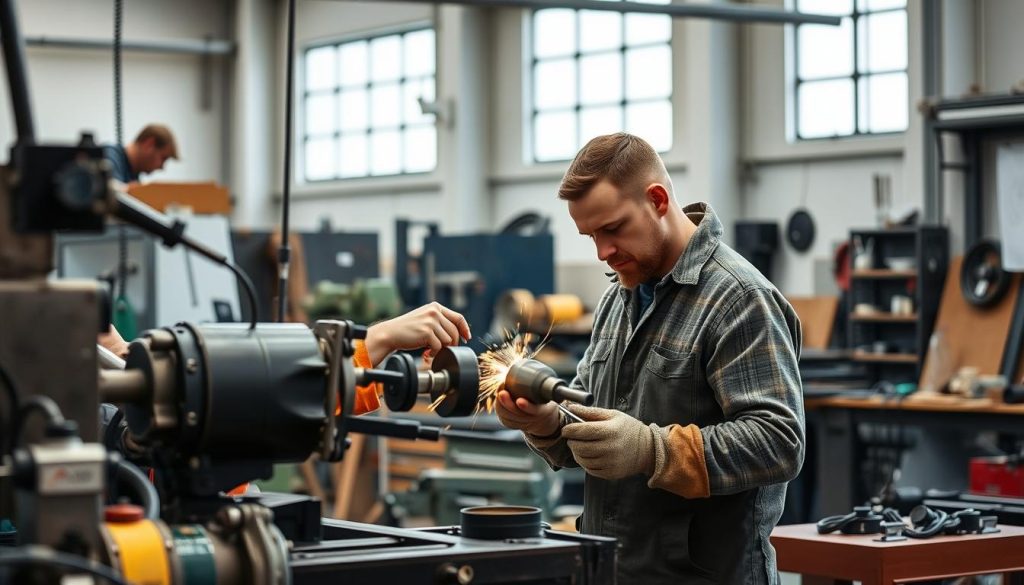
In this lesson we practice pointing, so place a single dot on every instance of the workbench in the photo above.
(843, 557)
(838, 444)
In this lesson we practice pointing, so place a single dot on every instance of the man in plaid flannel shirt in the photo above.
(698, 422)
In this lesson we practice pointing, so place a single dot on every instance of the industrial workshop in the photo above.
(486, 292)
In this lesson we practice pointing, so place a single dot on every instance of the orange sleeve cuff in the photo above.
(367, 397)
(682, 470)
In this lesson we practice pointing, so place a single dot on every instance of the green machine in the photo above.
(363, 301)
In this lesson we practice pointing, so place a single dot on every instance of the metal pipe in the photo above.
(17, 76)
(180, 46)
(735, 13)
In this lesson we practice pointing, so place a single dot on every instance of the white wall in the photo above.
(831, 178)
(455, 194)
(838, 195)
(1001, 45)
(72, 90)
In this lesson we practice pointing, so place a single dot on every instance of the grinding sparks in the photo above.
(495, 364)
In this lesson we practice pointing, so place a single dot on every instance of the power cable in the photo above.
(284, 251)
(7, 443)
(49, 557)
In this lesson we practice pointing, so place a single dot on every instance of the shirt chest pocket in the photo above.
(670, 388)
(599, 377)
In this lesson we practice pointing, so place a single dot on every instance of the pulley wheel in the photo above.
(983, 282)
(464, 381)
(800, 230)
(401, 396)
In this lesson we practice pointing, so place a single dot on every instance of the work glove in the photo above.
(539, 420)
(610, 444)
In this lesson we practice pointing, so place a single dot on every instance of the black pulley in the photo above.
(401, 396)
(464, 381)
(983, 282)
(501, 522)
(800, 230)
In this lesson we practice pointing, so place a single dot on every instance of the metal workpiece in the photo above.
(538, 383)
(123, 386)
(453, 379)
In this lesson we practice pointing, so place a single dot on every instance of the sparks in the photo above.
(494, 365)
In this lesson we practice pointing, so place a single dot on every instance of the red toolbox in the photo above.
(997, 476)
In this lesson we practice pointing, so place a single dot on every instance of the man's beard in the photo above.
(639, 272)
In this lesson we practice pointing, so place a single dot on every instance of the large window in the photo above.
(851, 79)
(597, 72)
(362, 112)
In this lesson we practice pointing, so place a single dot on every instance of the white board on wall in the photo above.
(1010, 197)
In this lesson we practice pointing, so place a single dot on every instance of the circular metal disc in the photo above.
(401, 396)
(464, 375)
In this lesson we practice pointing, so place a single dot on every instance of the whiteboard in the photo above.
(1010, 195)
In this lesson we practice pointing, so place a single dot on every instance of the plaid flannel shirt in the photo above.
(713, 363)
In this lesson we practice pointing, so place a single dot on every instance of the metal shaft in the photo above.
(538, 383)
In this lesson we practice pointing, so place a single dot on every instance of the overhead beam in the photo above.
(182, 46)
(730, 12)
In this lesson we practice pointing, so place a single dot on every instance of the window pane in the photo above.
(419, 53)
(320, 156)
(353, 110)
(825, 108)
(353, 156)
(420, 149)
(385, 153)
(886, 102)
(600, 30)
(385, 105)
(598, 121)
(415, 89)
(868, 5)
(554, 136)
(554, 84)
(833, 7)
(554, 32)
(651, 121)
(883, 41)
(385, 58)
(320, 114)
(601, 78)
(648, 72)
(825, 51)
(353, 63)
(320, 68)
(648, 28)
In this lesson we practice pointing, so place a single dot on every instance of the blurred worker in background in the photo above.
(147, 153)
(698, 420)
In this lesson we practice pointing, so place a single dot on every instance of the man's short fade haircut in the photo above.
(162, 138)
(619, 158)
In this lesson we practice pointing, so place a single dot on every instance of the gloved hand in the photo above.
(611, 444)
(539, 420)
(432, 326)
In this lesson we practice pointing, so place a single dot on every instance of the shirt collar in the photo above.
(701, 245)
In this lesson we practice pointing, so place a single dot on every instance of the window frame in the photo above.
(532, 111)
(855, 16)
(303, 94)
